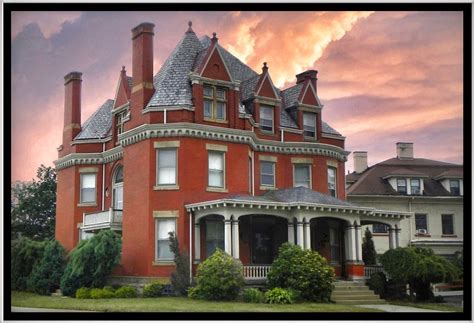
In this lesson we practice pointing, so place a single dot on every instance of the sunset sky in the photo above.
(384, 77)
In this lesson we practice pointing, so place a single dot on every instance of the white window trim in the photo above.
(335, 179)
(310, 174)
(81, 203)
(222, 150)
(315, 126)
(266, 186)
(164, 215)
(163, 146)
(272, 108)
(427, 223)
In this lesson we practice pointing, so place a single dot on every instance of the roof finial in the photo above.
(123, 70)
(264, 68)
(214, 38)
(190, 29)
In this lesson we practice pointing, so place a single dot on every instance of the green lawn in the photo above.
(170, 304)
(429, 306)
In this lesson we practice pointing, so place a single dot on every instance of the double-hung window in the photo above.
(167, 161)
(447, 224)
(214, 236)
(415, 186)
(88, 188)
(309, 125)
(163, 226)
(454, 187)
(215, 103)
(266, 118)
(216, 169)
(402, 185)
(421, 224)
(302, 175)
(332, 181)
(267, 173)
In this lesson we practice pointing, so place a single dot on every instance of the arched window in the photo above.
(117, 194)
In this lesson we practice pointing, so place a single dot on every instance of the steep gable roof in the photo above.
(98, 124)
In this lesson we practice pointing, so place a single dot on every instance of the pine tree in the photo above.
(368, 249)
(180, 277)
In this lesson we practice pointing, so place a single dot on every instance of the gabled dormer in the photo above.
(121, 109)
(452, 181)
(212, 65)
(406, 182)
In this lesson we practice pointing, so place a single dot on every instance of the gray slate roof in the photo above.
(328, 129)
(290, 95)
(371, 182)
(294, 195)
(247, 87)
(98, 124)
(130, 82)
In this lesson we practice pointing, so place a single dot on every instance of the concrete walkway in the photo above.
(396, 308)
(32, 309)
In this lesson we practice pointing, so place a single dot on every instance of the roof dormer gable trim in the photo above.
(214, 47)
(198, 79)
(302, 95)
(266, 76)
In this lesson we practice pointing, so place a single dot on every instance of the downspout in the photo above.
(282, 135)
(103, 179)
(409, 210)
(164, 116)
(253, 173)
(190, 248)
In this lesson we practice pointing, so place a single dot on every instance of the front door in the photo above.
(262, 242)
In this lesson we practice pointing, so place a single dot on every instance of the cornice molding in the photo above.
(73, 159)
(193, 130)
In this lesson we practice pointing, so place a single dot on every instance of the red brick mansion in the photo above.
(212, 150)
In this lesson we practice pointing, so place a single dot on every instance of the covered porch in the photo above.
(252, 229)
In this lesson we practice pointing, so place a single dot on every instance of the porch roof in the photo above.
(294, 198)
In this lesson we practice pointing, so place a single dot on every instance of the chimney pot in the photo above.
(405, 150)
(360, 161)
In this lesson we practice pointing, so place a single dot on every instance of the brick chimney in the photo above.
(360, 161)
(309, 74)
(404, 150)
(142, 68)
(72, 106)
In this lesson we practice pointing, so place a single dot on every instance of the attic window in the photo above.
(309, 125)
(415, 186)
(215, 103)
(266, 118)
(454, 187)
(401, 185)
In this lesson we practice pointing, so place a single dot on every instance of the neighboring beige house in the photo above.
(431, 189)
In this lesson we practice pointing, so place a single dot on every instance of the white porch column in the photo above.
(348, 243)
(353, 243)
(227, 236)
(397, 237)
(300, 234)
(291, 232)
(307, 235)
(197, 242)
(391, 238)
(235, 239)
(358, 233)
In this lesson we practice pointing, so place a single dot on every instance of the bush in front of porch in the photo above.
(304, 271)
(219, 277)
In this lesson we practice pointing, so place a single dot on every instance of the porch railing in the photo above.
(109, 217)
(256, 271)
(369, 270)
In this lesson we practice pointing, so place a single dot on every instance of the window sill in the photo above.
(217, 189)
(86, 204)
(267, 188)
(310, 138)
(268, 133)
(163, 263)
(380, 234)
(165, 187)
(449, 236)
(216, 120)
(423, 235)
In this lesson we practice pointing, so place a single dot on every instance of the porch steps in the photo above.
(354, 293)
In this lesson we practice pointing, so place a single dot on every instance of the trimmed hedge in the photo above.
(97, 293)
(83, 293)
(126, 292)
(154, 289)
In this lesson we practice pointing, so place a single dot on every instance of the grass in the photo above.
(170, 304)
(429, 306)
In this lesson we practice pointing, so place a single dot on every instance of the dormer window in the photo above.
(402, 185)
(215, 103)
(309, 125)
(454, 187)
(266, 118)
(415, 186)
